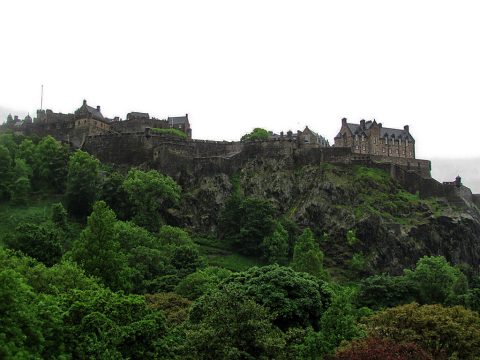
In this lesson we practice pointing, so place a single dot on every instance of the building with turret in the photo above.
(370, 137)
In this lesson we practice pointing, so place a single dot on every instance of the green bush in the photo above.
(173, 132)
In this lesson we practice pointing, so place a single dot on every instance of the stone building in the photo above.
(90, 120)
(180, 123)
(306, 136)
(370, 137)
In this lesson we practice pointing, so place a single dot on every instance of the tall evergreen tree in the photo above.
(98, 249)
(82, 183)
(307, 256)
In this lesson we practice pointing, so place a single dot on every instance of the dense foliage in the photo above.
(173, 132)
(255, 134)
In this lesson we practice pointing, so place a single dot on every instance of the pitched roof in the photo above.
(96, 114)
(92, 112)
(390, 132)
(395, 133)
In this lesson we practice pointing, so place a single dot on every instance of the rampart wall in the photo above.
(185, 160)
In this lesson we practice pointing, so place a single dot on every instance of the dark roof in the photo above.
(395, 133)
(96, 114)
(390, 132)
(176, 120)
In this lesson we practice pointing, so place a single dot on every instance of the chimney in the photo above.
(406, 128)
(84, 102)
(344, 121)
(380, 125)
(362, 124)
(98, 107)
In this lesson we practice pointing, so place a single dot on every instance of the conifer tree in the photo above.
(307, 256)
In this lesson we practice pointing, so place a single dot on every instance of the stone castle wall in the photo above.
(177, 157)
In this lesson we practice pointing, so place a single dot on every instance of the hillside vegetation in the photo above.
(314, 262)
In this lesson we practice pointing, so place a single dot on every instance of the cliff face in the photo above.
(387, 227)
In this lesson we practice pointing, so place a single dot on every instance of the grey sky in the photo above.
(237, 65)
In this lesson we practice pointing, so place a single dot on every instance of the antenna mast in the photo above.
(41, 100)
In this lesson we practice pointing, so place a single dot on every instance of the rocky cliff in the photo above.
(362, 217)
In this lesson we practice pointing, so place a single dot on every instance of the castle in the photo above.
(132, 142)
(87, 121)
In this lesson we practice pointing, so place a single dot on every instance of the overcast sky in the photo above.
(235, 65)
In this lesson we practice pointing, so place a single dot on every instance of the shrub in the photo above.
(172, 132)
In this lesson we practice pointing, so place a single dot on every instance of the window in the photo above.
(383, 149)
(356, 147)
(363, 148)
(374, 140)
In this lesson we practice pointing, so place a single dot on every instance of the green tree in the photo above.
(114, 194)
(150, 195)
(5, 172)
(26, 151)
(246, 222)
(8, 140)
(60, 278)
(307, 256)
(20, 191)
(275, 246)
(172, 305)
(198, 283)
(51, 164)
(105, 325)
(42, 242)
(82, 182)
(380, 291)
(296, 299)
(256, 134)
(30, 326)
(434, 279)
(131, 236)
(59, 215)
(173, 236)
(21, 169)
(98, 249)
(148, 265)
(446, 332)
(230, 325)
